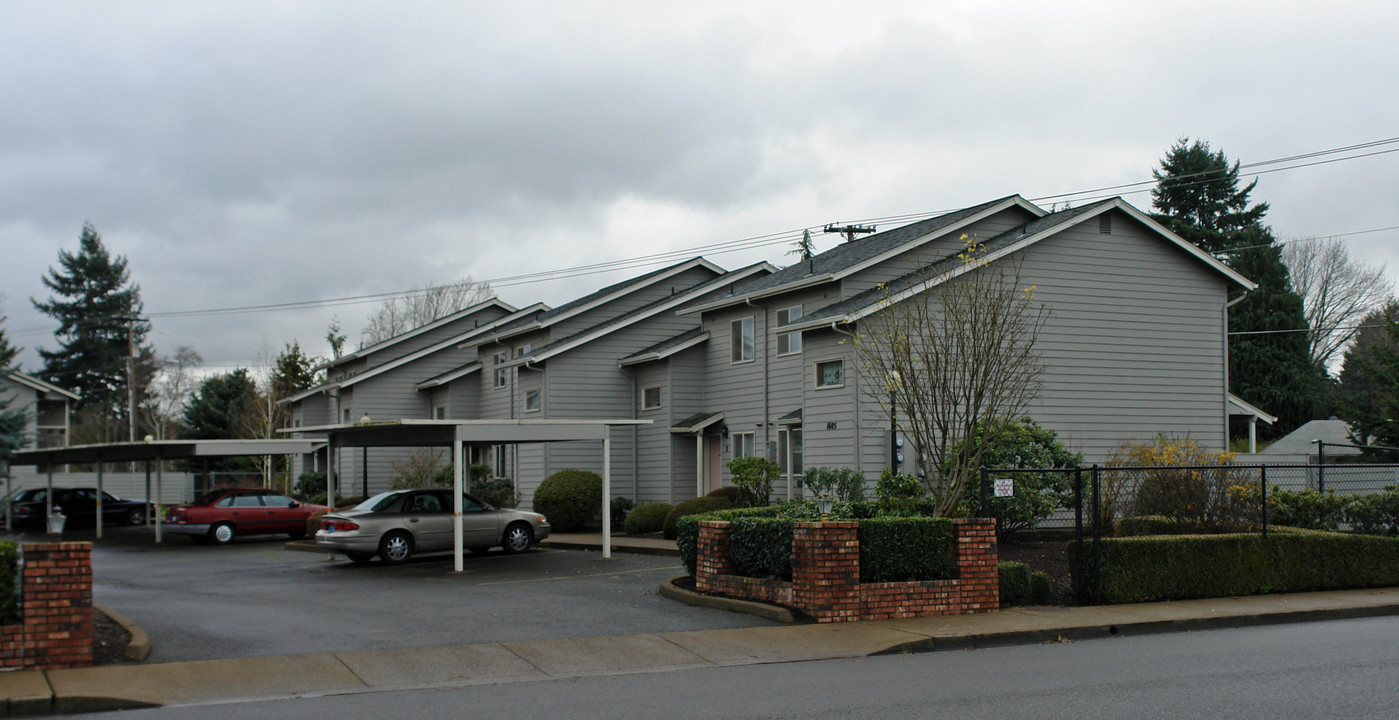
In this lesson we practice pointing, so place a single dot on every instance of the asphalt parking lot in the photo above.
(257, 598)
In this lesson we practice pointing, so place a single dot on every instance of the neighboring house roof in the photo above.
(1302, 441)
(454, 341)
(852, 257)
(1239, 406)
(950, 266)
(607, 294)
(611, 325)
(445, 320)
(666, 348)
(34, 383)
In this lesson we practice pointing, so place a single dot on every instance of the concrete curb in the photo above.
(633, 549)
(140, 646)
(775, 613)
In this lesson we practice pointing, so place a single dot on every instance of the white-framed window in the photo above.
(789, 343)
(651, 398)
(521, 350)
(741, 340)
(789, 452)
(830, 373)
(500, 376)
(532, 400)
(743, 445)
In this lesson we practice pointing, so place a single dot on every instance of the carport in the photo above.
(146, 452)
(460, 433)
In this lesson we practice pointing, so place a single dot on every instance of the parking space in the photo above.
(256, 598)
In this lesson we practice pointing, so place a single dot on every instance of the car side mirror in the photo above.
(293, 504)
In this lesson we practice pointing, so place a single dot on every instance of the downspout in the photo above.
(1228, 304)
(635, 457)
(859, 456)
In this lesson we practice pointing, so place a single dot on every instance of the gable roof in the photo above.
(666, 348)
(852, 257)
(950, 266)
(628, 319)
(34, 383)
(447, 377)
(600, 297)
(445, 320)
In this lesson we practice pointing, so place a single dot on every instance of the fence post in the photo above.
(1097, 538)
(1263, 481)
(1320, 466)
(985, 496)
(1078, 505)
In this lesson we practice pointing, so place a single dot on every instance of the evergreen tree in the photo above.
(1198, 197)
(1367, 397)
(294, 372)
(12, 419)
(93, 302)
(217, 411)
(1270, 366)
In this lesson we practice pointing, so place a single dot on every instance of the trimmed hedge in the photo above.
(693, 506)
(1022, 586)
(894, 549)
(1147, 569)
(687, 529)
(1155, 525)
(737, 496)
(761, 547)
(9, 582)
(569, 498)
(647, 518)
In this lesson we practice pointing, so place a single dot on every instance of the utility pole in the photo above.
(849, 231)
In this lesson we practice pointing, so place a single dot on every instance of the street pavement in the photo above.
(452, 665)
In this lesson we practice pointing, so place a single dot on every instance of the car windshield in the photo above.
(380, 501)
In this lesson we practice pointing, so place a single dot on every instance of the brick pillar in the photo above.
(712, 554)
(977, 557)
(57, 596)
(826, 570)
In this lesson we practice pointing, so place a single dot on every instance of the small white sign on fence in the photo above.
(1005, 487)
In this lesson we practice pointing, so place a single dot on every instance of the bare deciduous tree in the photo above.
(174, 382)
(418, 307)
(957, 342)
(1337, 292)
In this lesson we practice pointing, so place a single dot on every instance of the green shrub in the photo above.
(897, 491)
(1306, 509)
(1155, 525)
(755, 475)
(736, 495)
(687, 529)
(569, 498)
(693, 506)
(1039, 588)
(621, 507)
(1147, 569)
(499, 492)
(1375, 514)
(647, 518)
(10, 610)
(843, 484)
(1022, 443)
(309, 484)
(761, 547)
(906, 548)
(1015, 582)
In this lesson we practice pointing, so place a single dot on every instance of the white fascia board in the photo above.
(465, 312)
(308, 393)
(649, 357)
(34, 383)
(472, 339)
(769, 292)
(449, 377)
(1250, 409)
(449, 344)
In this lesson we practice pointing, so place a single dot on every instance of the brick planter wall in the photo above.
(55, 630)
(826, 575)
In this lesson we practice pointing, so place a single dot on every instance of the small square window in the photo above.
(741, 340)
(744, 445)
(651, 398)
(532, 400)
(830, 373)
(440, 413)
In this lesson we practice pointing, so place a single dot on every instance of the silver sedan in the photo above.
(396, 524)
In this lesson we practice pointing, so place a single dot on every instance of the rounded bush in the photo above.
(569, 498)
(647, 518)
(733, 493)
(692, 507)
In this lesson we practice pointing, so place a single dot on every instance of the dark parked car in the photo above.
(220, 515)
(78, 505)
(397, 524)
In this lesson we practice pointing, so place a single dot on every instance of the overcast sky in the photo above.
(251, 153)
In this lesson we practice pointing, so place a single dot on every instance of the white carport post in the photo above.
(159, 485)
(606, 492)
(457, 548)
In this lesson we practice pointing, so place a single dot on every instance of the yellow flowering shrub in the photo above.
(1172, 476)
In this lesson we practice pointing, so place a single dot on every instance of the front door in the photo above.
(712, 443)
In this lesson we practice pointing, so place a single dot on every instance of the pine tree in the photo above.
(1367, 395)
(12, 419)
(1199, 199)
(94, 303)
(294, 371)
(217, 412)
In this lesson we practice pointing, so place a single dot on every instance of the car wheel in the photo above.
(396, 547)
(518, 538)
(136, 516)
(222, 533)
(359, 558)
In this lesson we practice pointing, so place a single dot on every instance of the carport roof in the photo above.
(424, 433)
(161, 450)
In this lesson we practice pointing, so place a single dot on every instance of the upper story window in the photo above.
(532, 400)
(500, 376)
(651, 398)
(789, 343)
(522, 350)
(439, 413)
(741, 340)
(830, 373)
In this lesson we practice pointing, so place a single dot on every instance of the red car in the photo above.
(218, 516)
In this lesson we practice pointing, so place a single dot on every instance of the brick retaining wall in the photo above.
(55, 630)
(826, 574)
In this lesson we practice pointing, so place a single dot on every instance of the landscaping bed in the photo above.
(109, 640)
